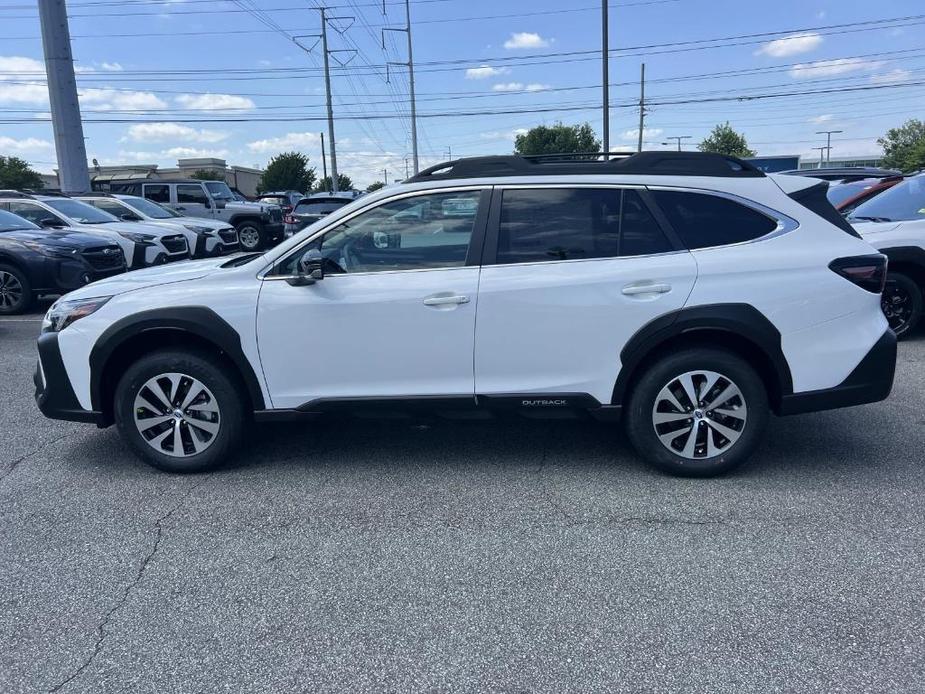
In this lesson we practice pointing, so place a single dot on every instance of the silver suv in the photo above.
(258, 225)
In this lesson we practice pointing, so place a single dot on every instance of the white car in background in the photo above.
(142, 244)
(206, 238)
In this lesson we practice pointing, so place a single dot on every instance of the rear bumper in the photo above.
(53, 392)
(871, 381)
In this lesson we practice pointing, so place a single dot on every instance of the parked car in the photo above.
(258, 225)
(206, 238)
(142, 245)
(36, 261)
(286, 199)
(687, 293)
(894, 223)
(845, 174)
(309, 210)
(847, 196)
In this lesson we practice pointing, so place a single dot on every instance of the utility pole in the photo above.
(678, 138)
(62, 93)
(821, 150)
(449, 153)
(385, 176)
(828, 143)
(327, 86)
(410, 65)
(605, 76)
(324, 161)
(642, 103)
(406, 167)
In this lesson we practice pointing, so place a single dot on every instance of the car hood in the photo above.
(59, 238)
(149, 277)
(134, 227)
(865, 228)
(198, 222)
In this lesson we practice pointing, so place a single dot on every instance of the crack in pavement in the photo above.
(139, 574)
(15, 463)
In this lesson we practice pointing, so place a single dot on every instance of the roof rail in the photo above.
(13, 194)
(662, 163)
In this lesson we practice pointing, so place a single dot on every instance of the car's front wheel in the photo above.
(698, 413)
(249, 236)
(901, 303)
(15, 290)
(179, 411)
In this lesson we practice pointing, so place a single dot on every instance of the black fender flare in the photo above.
(200, 321)
(247, 217)
(741, 320)
(913, 255)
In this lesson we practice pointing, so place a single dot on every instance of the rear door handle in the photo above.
(450, 300)
(646, 288)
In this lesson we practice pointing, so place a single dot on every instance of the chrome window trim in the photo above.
(262, 275)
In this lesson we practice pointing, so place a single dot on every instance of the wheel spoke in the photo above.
(670, 437)
(665, 417)
(184, 408)
(194, 390)
(148, 423)
(725, 396)
(691, 443)
(210, 427)
(738, 413)
(730, 434)
(687, 382)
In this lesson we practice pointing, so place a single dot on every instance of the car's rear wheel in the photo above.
(901, 303)
(249, 236)
(15, 290)
(698, 413)
(179, 411)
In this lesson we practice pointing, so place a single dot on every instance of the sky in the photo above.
(241, 79)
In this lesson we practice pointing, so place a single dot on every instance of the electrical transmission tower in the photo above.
(410, 65)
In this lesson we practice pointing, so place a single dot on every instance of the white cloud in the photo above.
(537, 87)
(819, 120)
(526, 39)
(106, 99)
(111, 67)
(11, 65)
(158, 132)
(508, 135)
(790, 45)
(193, 153)
(214, 102)
(508, 87)
(289, 141)
(25, 146)
(484, 72)
(892, 77)
(828, 68)
(23, 93)
(646, 133)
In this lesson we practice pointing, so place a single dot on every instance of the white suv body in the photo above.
(206, 238)
(550, 294)
(143, 245)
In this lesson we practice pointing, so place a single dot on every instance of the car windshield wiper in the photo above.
(872, 219)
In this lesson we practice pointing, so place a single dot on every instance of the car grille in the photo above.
(276, 214)
(175, 244)
(106, 258)
(228, 235)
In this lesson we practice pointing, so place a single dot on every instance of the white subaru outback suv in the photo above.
(688, 294)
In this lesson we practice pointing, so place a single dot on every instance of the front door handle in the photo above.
(446, 300)
(646, 288)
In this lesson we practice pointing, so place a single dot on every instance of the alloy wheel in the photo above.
(898, 306)
(177, 415)
(11, 292)
(249, 237)
(699, 414)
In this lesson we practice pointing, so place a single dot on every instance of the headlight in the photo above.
(65, 311)
(136, 236)
(198, 230)
(52, 251)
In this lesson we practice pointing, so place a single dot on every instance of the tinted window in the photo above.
(576, 224)
(81, 211)
(151, 209)
(709, 220)
(319, 206)
(840, 192)
(157, 193)
(191, 194)
(426, 231)
(33, 213)
(904, 201)
(9, 221)
(110, 206)
(220, 190)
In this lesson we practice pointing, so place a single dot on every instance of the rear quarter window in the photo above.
(702, 220)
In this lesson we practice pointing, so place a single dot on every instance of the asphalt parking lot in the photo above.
(438, 556)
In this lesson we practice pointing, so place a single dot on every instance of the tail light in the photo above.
(866, 271)
(289, 219)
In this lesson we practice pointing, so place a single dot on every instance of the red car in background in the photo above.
(847, 196)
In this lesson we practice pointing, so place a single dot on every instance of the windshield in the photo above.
(219, 190)
(843, 191)
(81, 212)
(11, 222)
(903, 202)
(320, 206)
(151, 209)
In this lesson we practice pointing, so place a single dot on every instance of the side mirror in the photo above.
(207, 203)
(129, 217)
(311, 270)
(179, 208)
(51, 223)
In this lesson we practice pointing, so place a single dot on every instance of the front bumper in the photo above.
(870, 381)
(273, 231)
(211, 246)
(53, 392)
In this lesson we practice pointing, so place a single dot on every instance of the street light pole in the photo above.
(821, 161)
(678, 138)
(828, 143)
(605, 73)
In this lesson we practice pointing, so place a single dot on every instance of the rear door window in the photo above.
(157, 193)
(702, 220)
(32, 212)
(191, 194)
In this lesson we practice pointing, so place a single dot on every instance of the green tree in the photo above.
(373, 187)
(16, 173)
(723, 139)
(287, 171)
(343, 183)
(556, 139)
(904, 147)
(204, 175)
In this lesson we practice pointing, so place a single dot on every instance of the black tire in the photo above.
(641, 427)
(250, 236)
(15, 291)
(227, 397)
(902, 303)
